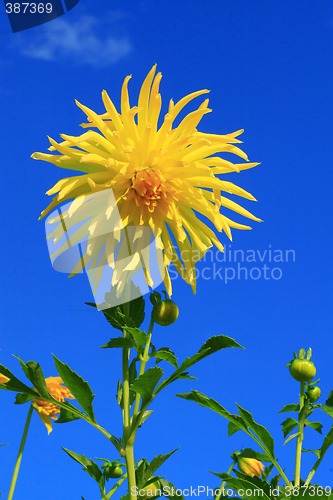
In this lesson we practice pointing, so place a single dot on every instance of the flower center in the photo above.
(148, 188)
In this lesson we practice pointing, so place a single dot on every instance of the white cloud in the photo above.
(82, 41)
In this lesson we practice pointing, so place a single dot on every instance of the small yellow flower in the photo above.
(250, 466)
(163, 176)
(4, 379)
(47, 410)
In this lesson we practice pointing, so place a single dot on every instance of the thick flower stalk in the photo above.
(50, 411)
(163, 175)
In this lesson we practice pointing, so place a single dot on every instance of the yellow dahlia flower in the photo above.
(163, 176)
(4, 379)
(47, 410)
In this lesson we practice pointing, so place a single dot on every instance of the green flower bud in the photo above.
(313, 394)
(112, 470)
(302, 370)
(165, 312)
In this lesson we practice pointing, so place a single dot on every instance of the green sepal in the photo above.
(77, 386)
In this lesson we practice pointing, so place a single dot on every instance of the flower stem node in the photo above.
(250, 466)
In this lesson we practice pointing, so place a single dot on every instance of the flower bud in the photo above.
(314, 393)
(4, 379)
(165, 312)
(250, 466)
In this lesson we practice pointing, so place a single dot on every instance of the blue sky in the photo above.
(269, 67)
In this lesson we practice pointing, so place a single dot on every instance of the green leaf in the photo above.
(37, 378)
(145, 416)
(66, 416)
(210, 403)
(139, 336)
(316, 452)
(250, 453)
(290, 407)
(119, 342)
(171, 489)
(81, 459)
(165, 354)
(248, 484)
(327, 409)
(23, 398)
(211, 346)
(233, 427)
(288, 425)
(146, 383)
(291, 437)
(317, 426)
(88, 465)
(146, 470)
(261, 431)
(329, 401)
(130, 314)
(328, 441)
(14, 383)
(77, 386)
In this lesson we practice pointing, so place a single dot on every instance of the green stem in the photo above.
(19, 455)
(299, 443)
(128, 447)
(128, 443)
(143, 363)
(115, 487)
(224, 482)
